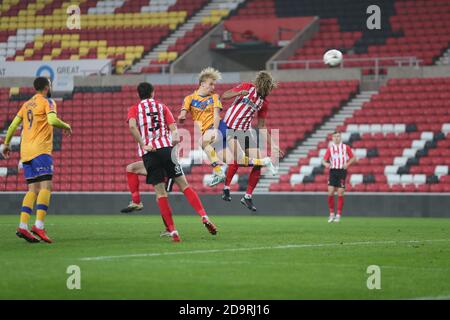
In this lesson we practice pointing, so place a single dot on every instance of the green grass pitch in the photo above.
(252, 257)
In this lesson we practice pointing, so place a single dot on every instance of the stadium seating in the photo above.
(95, 157)
(401, 138)
(38, 31)
(412, 28)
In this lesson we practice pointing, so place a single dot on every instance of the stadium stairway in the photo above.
(189, 25)
(318, 136)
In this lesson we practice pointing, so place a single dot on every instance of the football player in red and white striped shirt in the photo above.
(338, 158)
(153, 127)
(250, 101)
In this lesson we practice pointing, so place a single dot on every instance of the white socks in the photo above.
(39, 224)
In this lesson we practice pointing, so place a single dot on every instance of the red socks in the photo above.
(253, 179)
(194, 200)
(331, 204)
(231, 171)
(133, 186)
(166, 213)
(340, 205)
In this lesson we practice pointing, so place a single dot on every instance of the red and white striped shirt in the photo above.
(338, 155)
(153, 119)
(240, 114)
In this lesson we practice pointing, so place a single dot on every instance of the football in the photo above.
(332, 58)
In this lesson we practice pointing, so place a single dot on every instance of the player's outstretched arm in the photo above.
(53, 120)
(230, 94)
(9, 134)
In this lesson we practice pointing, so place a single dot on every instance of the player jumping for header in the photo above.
(250, 100)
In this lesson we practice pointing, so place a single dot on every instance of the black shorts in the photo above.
(337, 178)
(159, 165)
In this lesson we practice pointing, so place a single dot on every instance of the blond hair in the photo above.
(209, 73)
(264, 83)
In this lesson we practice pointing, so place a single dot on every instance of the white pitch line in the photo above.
(288, 246)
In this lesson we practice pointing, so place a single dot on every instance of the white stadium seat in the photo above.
(322, 153)
(441, 171)
(3, 172)
(375, 128)
(419, 179)
(446, 128)
(345, 136)
(418, 144)
(360, 153)
(390, 170)
(364, 128)
(427, 136)
(297, 178)
(409, 153)
(406, 179)
(15, 141)
(387, 128)
(10, 52)
(393, 179)
(356, 179)
(399, 128)
(353, 128)
(306, 170)
(400, 161)
(315, 161)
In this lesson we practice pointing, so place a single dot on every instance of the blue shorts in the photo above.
(39, 168)
(221, 144)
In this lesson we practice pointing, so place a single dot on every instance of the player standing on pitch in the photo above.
(39, 117)
(338, 158)
(153, 127)
(250, 100)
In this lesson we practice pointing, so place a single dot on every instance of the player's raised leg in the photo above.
(134, 170)
(209, 137)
